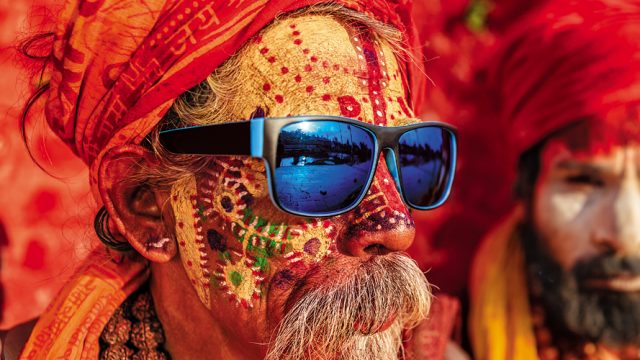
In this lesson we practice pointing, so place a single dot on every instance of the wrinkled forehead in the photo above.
(319, 64)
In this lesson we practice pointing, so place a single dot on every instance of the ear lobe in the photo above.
(136, 208)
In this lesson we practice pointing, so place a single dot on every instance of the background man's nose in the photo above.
(626, 210)
(381, 223)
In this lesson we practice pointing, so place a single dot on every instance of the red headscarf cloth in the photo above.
(570, 61)
(118, 65)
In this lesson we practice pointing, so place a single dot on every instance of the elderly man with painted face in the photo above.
(256, 162)
(560, 278)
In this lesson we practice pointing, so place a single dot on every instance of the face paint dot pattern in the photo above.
(252, 242)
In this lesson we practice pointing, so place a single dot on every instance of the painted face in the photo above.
(249, 262)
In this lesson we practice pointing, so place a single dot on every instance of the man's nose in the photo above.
(627, 213)
(625, 233)
(381, 223)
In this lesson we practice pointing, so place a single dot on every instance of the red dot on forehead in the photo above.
(349, 106)
(264, 50)
(297, 41)
(308, 67)
(272, 59)
(309, 88)
(298, 78)
(279, 99)
(296, 33)
(284, 70)
(326, 97)
(266, 87)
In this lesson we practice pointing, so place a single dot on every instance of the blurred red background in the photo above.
(46, 223)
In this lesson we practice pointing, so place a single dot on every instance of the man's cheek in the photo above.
(245, 247)
(558, 209)
(564, 220)
(190, 216)
(230, 185)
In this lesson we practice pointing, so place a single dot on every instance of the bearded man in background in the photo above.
(296, 255)
(560, 277)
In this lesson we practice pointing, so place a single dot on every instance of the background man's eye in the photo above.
(585, 179)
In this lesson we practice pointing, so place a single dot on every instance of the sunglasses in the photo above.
(321, 166)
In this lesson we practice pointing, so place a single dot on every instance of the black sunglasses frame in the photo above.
(259, 138)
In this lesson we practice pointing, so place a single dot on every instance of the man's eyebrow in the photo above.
(588, 167)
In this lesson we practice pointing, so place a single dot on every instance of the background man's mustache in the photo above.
(607, 266)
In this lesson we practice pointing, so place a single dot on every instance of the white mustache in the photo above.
(320, 325)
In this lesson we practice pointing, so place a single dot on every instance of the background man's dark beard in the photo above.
(339, 320)
(573, 311)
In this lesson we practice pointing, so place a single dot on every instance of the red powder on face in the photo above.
(314, 59)
(298, 78)
(326, 97)
(297, 41)
(296, 33)
(264, 51)
(349, 106)
(284, 70)
(279, 99)
(308, 68)
(309, 89)
(326, 79)
(266, 87)
(272, 59)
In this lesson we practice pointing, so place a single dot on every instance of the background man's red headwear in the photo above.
(570, 61)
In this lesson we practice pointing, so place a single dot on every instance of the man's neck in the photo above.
(190, 331)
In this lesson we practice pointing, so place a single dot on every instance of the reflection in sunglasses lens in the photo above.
(322, 166)
(425, 165)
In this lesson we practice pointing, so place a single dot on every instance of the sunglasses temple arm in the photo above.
(219, 139)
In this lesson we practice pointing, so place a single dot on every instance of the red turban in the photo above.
(570, 61)
(118, 65)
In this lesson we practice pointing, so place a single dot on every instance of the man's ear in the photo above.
(137, 208)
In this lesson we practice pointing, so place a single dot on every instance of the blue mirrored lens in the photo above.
(322, 166)
(426, 161)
